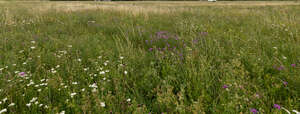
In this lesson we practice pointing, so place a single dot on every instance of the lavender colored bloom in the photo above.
(280, 68)
(150, 49)
(147, 41)
(254, 111)
(22, 74)
(285, 83)
(225, 86)
(293, 65)
(277, 106)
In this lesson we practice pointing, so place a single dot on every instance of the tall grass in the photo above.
(149, 59)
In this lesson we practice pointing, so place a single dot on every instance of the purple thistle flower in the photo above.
(254, 111)
(22, 74)
(225, 86)
(277, 106)
(293, 65)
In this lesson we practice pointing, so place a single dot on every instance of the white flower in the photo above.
(79, 60)
(106, 70)
(275, 48)
(33, 42)
(24, 63)
(32, 47)
(33, 99)
(73, 94)
(14, 64)
(57, 66)
(5, 99)
(28, 105)
(85, 69)
(53, 71)
(296, 111)
(3, 111)
(284, 57)
(105, 64)
(39, 90)
(102, 72)
(104, 78)
(40, 105)
(70, 46)
(74, 83)
(102, 104)
(62, 112)
(121, 57)
(99, 57)
(94, 85)
(36, 102)
(128, 100)
(46, 106)
(125, 72)
(83, 89)
(94, 90)
(0, 102)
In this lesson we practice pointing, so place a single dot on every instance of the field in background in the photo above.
(149, 57)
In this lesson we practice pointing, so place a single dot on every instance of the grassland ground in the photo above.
(149, 57)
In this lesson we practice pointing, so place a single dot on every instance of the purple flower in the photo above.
(277, 106)
(150, 49)
(293, 65)
(285, 83)
(22, 74)
(225, 86)
(280, 68)
(254, 111)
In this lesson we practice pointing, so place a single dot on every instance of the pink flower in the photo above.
(254, 111)
(285, 83)
(293, 65)
(225, 86)
(277, 106)
(22, 74)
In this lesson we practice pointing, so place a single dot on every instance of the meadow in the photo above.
(149, 57)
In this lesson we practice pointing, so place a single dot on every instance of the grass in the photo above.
(142, 57)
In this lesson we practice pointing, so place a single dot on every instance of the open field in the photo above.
(149, 57)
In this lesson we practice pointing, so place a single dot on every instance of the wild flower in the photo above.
(3, 111)
(125, 72)
(62, 112)
(70, 46)
(254, 111)
(5, 99)
(296, 111)
(102, 104)
(121, 57)
(102, 72)
(28, 104)
(293, 65)
(79, 60)
(128, 100)
(277, 106)
(40, 105)
(225, 86)
(73, 94)
(74, 83)
(284, 57)
(33, 42)
(32, 47)
(33, 99)
(285, 83)
(22, 74)
(11, 104)
(281, 67)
